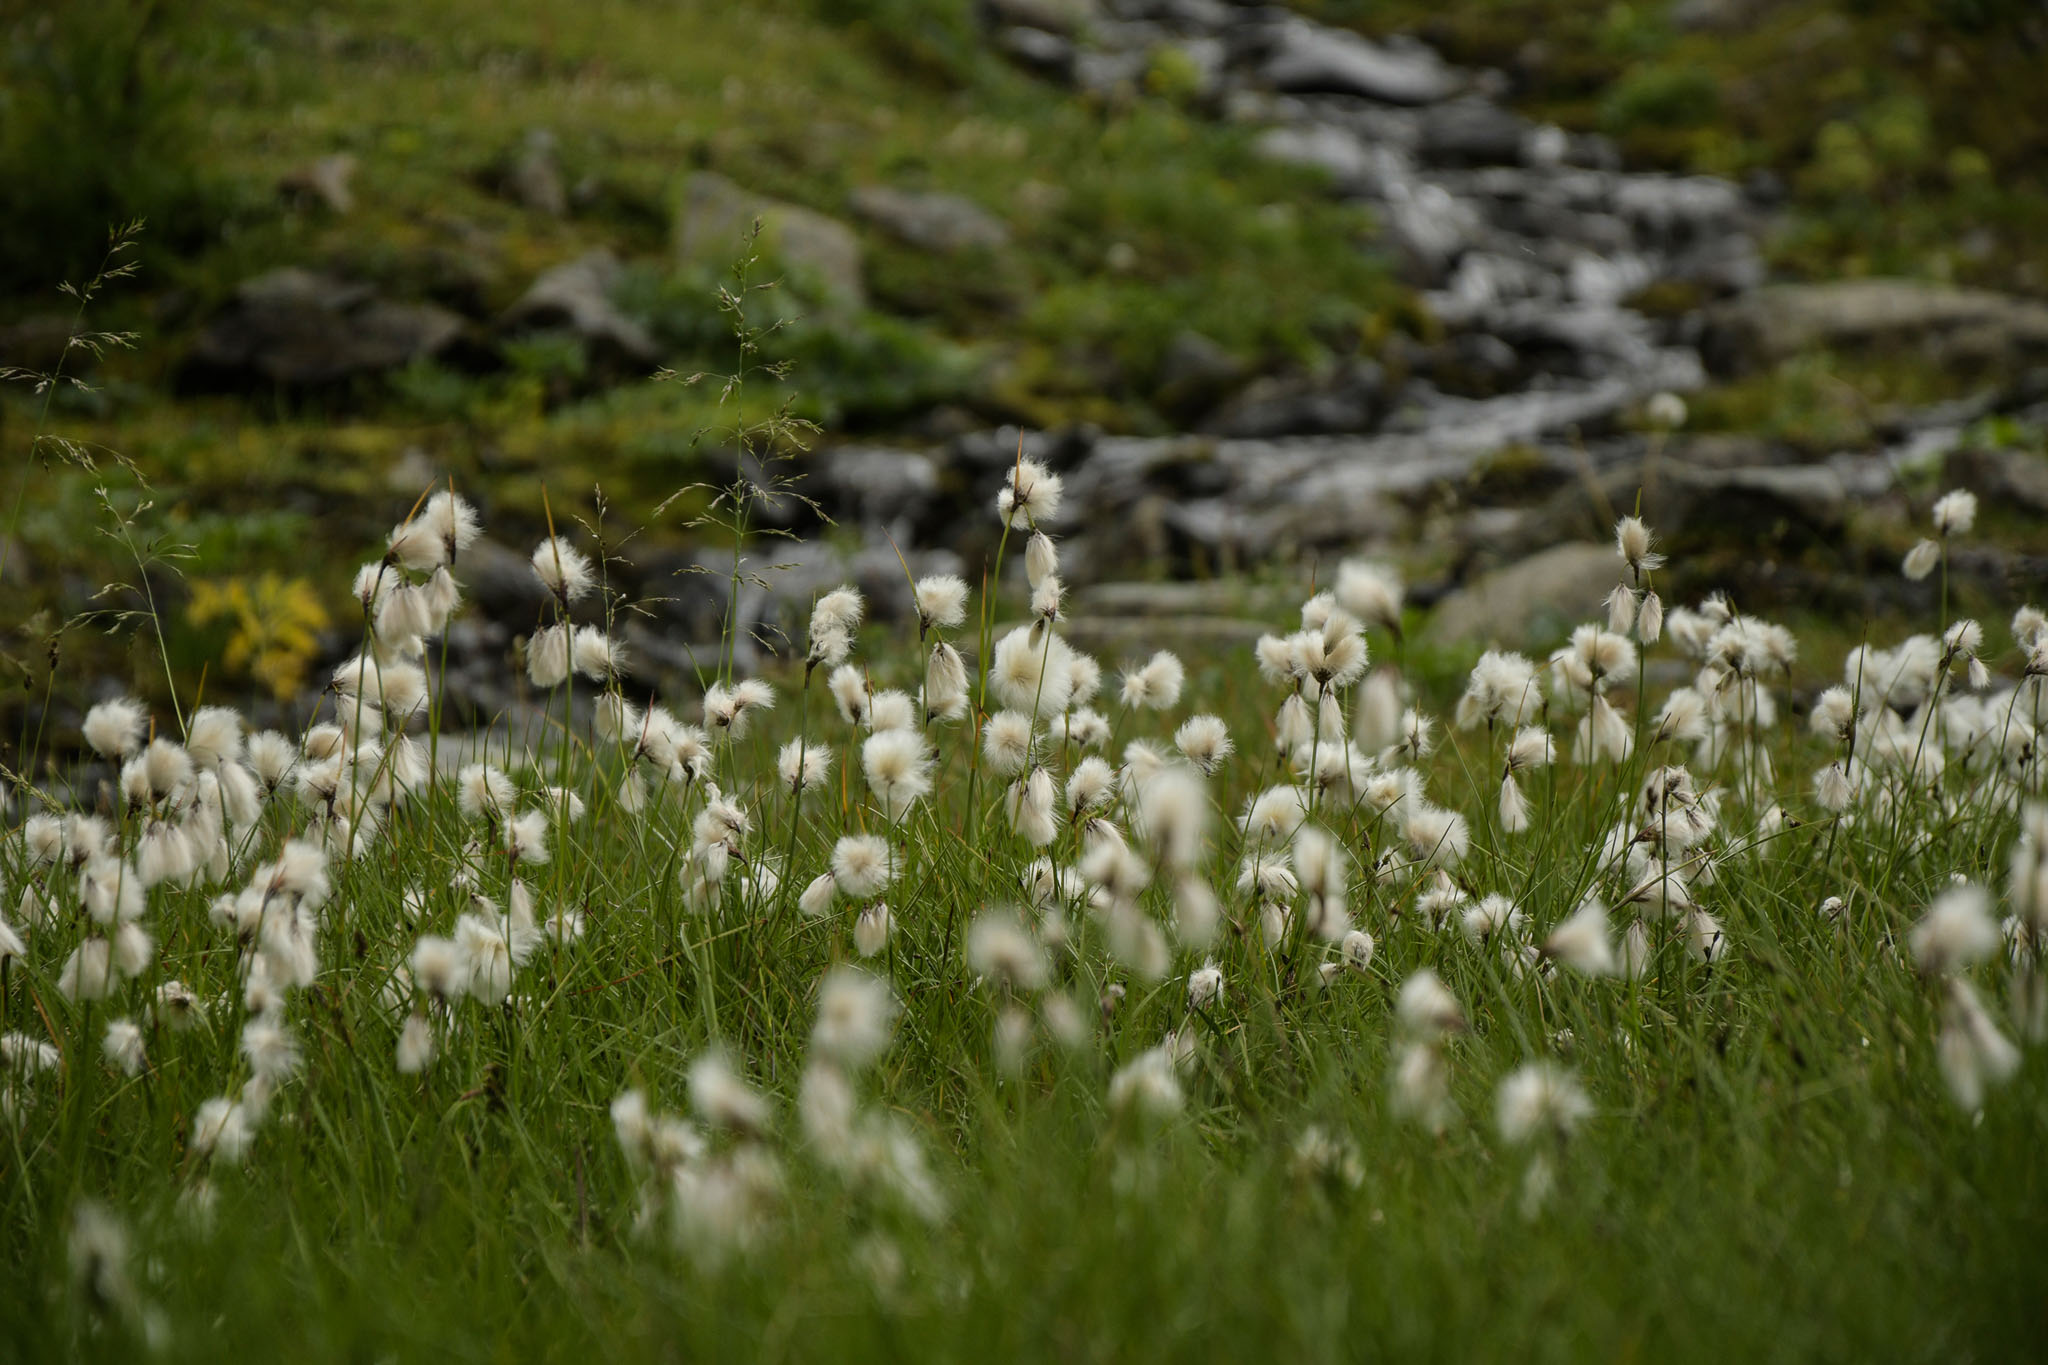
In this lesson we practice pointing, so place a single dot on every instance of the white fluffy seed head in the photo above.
(862, 865)
(1921, 559)
(1001, 949)
(1007, 742)
(871, 929)
(1955, 512)
(1205, 741)
(1957, 931)
(1539, 1098)
(941, 601)
(856, 1018)
(1030, 494)
(724, 1100)
(1156, 685)
(802, 765)
(1371, 592)
(1426, 1008)
(1030, 672)
(1636, 545)
(1041, 559)
(115, 728)
(563, 569)
(898, 770)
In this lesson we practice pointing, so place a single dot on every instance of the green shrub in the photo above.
(1649, 96)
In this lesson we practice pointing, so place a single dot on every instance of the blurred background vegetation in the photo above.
(444, 154)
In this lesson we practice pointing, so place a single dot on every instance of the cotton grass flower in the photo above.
(563, 570)
(1637, 547)
(941, 601)
(1156, 685)
(123, 1047)
(1582, 940)
(1538, 1099)
(1973, 1053)
(1956, 933)
(116, 728)
(862, 865)
(1030, 673)
(802, 766)
(898, 770)
(1147, 1087)
(872, 928)
(1371, 592)
(1502, 691)
(1006, 742)
(723, 1100)
(1955, 512)
(1030, 495)
(1002, 950)
(856, 1018)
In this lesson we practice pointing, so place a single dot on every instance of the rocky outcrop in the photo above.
(1944, 324)
(821, 254)
(1529, 603)
(576, 298)
(944, 223)
(304, 329)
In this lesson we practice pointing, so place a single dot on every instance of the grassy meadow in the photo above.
(1155, 1049)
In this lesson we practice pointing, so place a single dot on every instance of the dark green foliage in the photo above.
(97, 125)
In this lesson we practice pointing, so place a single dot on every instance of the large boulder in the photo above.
(1307, 58)
(945, 223)
(576, 297)
(1945, 324)
(1352, 398)
(821, 253)
(1338, 152)
(301, 328)
(1528, 603)
(1473, 132)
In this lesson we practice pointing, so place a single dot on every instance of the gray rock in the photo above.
(890, 489)
(1339, 152)
(1766, 507)
(1053, 16)
(576, 297)
(715, 216)
(305, 329)
(1810, 497)
(1678, 207)
(1185, 16)
(1115, 74)
(2007, 478)
(1473, 132)
(1049, 54)
(1310, 58)
(1118, 637)
(535, 179)
(1944, 323)
(945, 223)
(1212, 597)
(1430, 227)
(502, 583)
(1352, 399)
(1529, 603)
(1195, 375)
(324, 180)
